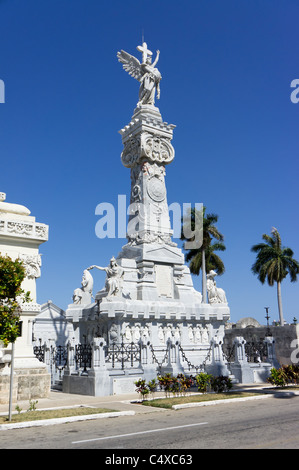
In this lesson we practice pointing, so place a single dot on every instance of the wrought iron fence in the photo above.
(55, 358)
(127, 354)
(39, 352)
(256, 351)
(228, 352)
(83, 354)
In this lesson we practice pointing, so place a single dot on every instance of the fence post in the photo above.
(240, 356)
(70, 364)
(241, 368)
(174, 365)
(98, 354)
(147, 363)
(218, 365)
(100, 382)
(271, 356)
(47, 355)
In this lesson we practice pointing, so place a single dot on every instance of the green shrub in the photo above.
(152, 386)
(284, 375)
(142, 388)
(203, 382)
(221, 384)
(277, 377)
(165, 382)
(185, 383)
(175, 385)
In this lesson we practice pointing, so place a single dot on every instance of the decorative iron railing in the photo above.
(83, 354)
(55, 358)
(228, 352)
(256, 351)
(125, 354)
(39, 352)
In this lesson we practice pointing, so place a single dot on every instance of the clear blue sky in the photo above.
(226, 67)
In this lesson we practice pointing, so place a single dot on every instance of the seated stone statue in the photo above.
(215, 294)
(83, 295)
(114, 277)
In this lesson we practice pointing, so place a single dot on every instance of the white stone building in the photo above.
(20, 238)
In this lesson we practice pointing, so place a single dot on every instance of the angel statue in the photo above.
(146, 73)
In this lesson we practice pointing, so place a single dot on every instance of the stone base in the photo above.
(5, 389)
(28, 384)
(102, 383)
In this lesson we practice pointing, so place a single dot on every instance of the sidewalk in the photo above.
(57, 399)
(119, 402)
(123, 404)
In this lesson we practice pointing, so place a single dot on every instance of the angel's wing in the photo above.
(130, 64)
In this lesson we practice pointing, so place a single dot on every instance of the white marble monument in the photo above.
(21, 237)
(149, 292)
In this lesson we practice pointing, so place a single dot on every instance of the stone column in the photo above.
(241, 368)
(20, 238)
(146, 360)
(217, 366)
(240, 356)
(174, 365)
(98, 354)
(270, 342)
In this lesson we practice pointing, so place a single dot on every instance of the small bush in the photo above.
(175, 385)
(203, 382)
(152, 386)
(285, 375)
(185, 383)
(142, 388)
(180, 384)
(166, 382)
(221, 384)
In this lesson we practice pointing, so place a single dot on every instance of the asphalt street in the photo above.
(262, 424)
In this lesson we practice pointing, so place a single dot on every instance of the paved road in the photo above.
(272, 423)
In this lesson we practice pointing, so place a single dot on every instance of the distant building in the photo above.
(51, 327)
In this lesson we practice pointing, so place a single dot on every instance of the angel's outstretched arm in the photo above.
(98, 267)
(156, 59)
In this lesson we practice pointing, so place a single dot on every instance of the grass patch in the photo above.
(169, 402)
(49, 414)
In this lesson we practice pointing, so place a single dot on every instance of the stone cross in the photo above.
(145, 52)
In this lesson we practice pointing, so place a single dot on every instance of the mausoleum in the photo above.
(20, 237)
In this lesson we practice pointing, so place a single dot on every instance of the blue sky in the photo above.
(226, 72)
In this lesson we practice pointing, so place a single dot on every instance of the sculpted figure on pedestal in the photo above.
(146, 73)
(83, 294)
(114, 277)
(215, 294)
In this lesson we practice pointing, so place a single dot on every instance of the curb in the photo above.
(70, 419)
(218, 402)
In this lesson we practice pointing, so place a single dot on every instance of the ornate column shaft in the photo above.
(147, 149)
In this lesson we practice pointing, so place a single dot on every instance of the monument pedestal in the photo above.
(20, 237)
(149, 294)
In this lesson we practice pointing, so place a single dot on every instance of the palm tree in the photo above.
(273, 263)
(204, 258)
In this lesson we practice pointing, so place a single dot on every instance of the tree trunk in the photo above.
(204, 278)
(280, 303)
